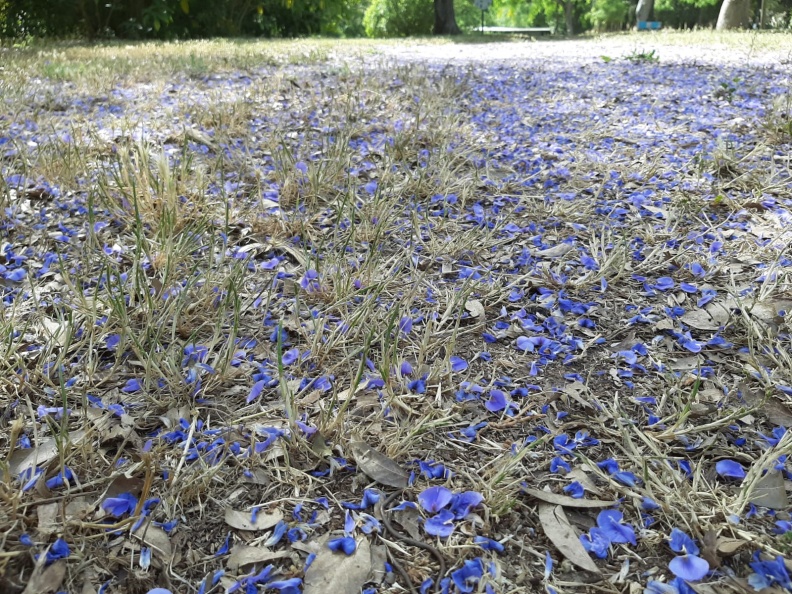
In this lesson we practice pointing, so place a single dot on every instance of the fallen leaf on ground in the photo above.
(242, 520)
(45, 580)
(557, 528)
(378, 466)
(39, 454)
(156, 538)
(556, 499)
(339, 573)
(770, 492)
(47, 518)
(243, 555)
(475, 308)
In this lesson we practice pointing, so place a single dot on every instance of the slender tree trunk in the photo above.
(644, 10)
(445, 18)
(734, 14)
(569, 17)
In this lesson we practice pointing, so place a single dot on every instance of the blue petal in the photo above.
(488, 544)
(575, 490)
(609, 521)
(595, 542)
(345, 543)
(434, 499)
(689, 567)
(441, 524)
(466, 577)
(730, 469)
(682, 543)
(462, 503)
(458, 364)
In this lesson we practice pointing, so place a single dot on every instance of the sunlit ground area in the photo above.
(426, 316)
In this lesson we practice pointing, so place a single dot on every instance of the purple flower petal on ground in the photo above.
(730, 469)
(349, 523)
(434, 499)
(462, 503)
(689, 343)
(488, 544)
(458, 364)
(626, 478)
(664, 283)
(575, 490)
(132, 385)
(159, 591)
(649, 504)
(609, 465)
(610, 522)
(290, 586)
(558, 463)
(255, 391)
(682, 543)
(406, 325)
(688, 288)
(345, 543)
(466, 577)
(596, 542)
(440, 524)
(689, 567)
(497, 401)
(61, 479)
(370, 497)
(769, 573)
(310, 281)
(406, 369)
(524, 343)
(59, 550)
(782, 527)
(224, 547)
(16, 275)
(120, 505)
(290, 356)
(655, 587)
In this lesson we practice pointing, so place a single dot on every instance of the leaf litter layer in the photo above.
(373, 324)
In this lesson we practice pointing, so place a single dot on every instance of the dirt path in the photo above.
(564, 51)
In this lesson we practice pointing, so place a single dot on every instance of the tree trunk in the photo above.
(569, 17)
(734, 14)
(445, 19)
(644, 10)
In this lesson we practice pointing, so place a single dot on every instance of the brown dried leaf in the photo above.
(701, 319)
(709, 550)
(339, 573)
(41, 453)
(475, 308)
(242, 520)
(47, 518)
(770, 491)
(556, 499)
(156, 538)
(554, 252)
(243, 555)
(45, 580)
(378, 466)
(557, 528)
(729, 546)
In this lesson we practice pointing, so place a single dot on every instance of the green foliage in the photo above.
(398, 18)
(642, 57)
(469, 17)
(609, 15)
(169, 19)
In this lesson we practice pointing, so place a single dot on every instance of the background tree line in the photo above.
(180, 19)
